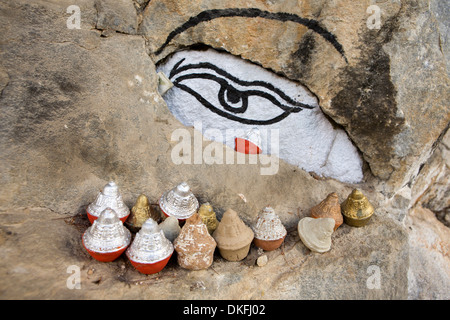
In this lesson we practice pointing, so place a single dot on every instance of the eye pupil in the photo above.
(233, 96)
(232, 99)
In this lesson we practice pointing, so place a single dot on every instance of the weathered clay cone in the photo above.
(150, 250)
(109, 197)
(329, 208)
(171, 228)
(194, 245)
(208, 216)
(233, 237)
(356, 209)
(140, 213)
(316, 233)
(107, 238)
(268, 229)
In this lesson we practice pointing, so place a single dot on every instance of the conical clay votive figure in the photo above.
(329, 208)
(140, 213)
(109, 197)
(208, 216)
(233, 237)
(107, 238)
(316, 233)
(356, 209)
(179, 202)
(268, 229)
(194, 245)
(150, 250)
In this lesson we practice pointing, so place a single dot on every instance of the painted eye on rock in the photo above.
(248, 102)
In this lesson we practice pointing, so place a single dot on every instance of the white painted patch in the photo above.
(306, 139)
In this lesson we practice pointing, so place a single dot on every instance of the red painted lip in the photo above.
(268, 245)
(245, 146)
(93, 218)
(105, 257)
(150, 268)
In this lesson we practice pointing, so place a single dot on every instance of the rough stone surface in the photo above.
(394, 81)
(429, 247)
(432, 187)
(77, 114)
(262, 261)
(119, 15)
(72, 108)
(81, 108)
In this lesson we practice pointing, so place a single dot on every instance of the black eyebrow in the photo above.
(208, 15)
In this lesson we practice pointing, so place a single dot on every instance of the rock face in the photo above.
(73, 105)
(74, 112)
(435, 195)
(429, 268)
(81, 107)
(357, 72)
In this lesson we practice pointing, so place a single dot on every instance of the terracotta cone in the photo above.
(194, 245)
(329, 208)
(233, 237)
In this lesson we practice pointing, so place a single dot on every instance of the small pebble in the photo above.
(262, 261)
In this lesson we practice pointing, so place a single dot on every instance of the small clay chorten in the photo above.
(233, 237)
(109, 197)
(356, 209)
(194, 245)
(329, 208)
(107, 238)
(140, 213)
(268, 229)
(150, 250)
(208, 216)
(179, 202)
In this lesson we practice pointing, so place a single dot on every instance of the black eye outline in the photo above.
(225, 87)
(231, 94)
